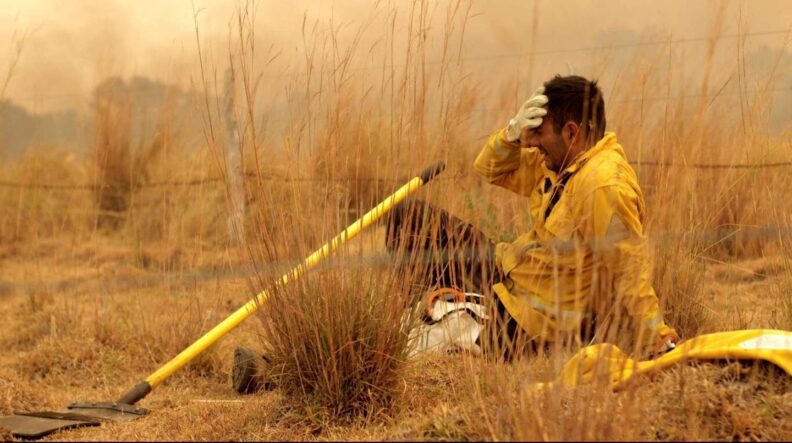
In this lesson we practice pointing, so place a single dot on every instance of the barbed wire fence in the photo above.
(222, 179)
(769, 231)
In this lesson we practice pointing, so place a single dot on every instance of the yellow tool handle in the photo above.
(233, 320)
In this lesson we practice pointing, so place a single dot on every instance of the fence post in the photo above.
(234, 162)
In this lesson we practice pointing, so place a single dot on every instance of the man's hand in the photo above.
(529, 116)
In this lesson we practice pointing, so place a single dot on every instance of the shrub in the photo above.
(337, 342)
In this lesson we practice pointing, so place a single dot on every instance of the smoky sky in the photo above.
(71, 45)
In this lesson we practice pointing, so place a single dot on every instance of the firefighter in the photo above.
(582, 273)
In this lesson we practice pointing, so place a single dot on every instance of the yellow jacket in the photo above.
(586, 260)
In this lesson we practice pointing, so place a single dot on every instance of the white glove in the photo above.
(529, 115)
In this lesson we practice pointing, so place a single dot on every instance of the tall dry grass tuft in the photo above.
(123, 152)
(782, 291)
(337, 342)
(679, 283)
(113, 156)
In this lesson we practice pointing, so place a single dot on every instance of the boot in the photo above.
(249, 372)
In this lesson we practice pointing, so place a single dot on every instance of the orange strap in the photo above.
(457, 296)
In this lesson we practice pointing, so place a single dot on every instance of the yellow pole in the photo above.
(250, 307)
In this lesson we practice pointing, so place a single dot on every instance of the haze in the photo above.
(72, 44)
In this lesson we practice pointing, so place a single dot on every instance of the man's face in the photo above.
(555, 146)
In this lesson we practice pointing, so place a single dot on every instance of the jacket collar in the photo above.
(607, 142)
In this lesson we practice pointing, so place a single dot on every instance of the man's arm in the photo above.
(502, 162)
(505, 164)
(611, 222)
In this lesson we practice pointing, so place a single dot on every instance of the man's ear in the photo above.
(570, 132)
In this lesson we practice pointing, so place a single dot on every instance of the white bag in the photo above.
(452, 323)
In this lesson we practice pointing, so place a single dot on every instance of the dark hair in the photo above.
(577, 99)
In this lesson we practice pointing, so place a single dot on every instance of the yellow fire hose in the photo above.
(155, 379)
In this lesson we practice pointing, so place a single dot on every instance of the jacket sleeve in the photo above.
(508, 165)
(611, 222)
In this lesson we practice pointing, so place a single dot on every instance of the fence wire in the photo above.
(207, 180)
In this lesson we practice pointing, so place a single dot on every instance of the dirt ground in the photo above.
(84, 320)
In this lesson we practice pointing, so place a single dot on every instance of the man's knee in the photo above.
(404, 223)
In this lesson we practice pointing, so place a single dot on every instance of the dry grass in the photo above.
(678, 280)
(701, 401)
(89, 311)
(337, 343)
(43, 213)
